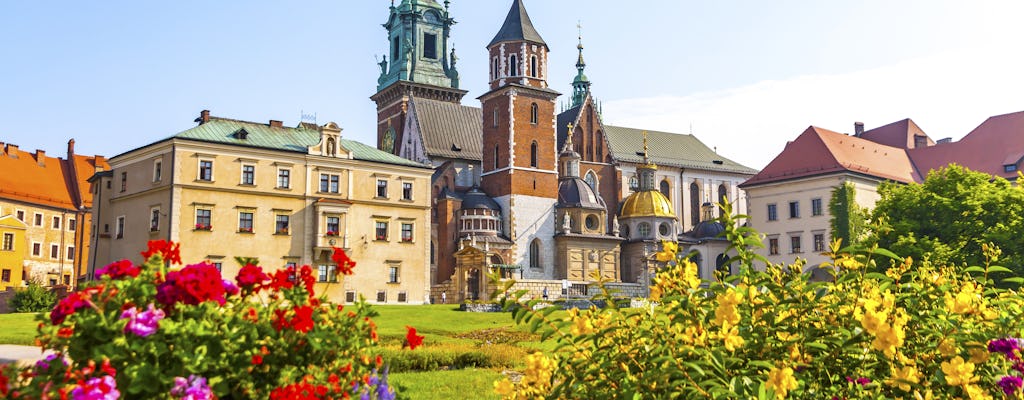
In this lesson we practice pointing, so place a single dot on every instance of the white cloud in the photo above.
(947, 94)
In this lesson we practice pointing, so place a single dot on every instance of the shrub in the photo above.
(146, 331)
(917, 331)
(34, 298)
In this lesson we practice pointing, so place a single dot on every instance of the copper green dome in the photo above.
(649, 203)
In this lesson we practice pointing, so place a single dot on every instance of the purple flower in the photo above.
(193, 388)
(104, 388)
(860, 381)
(44, 364)
(1011, 384)
(1008, 346)
(230, 288)
(142, 323)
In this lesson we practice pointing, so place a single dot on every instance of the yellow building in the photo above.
(51, 197)
(12, 252)
(286, 196)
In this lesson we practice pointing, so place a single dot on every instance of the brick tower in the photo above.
(519, 144)
(418, 64)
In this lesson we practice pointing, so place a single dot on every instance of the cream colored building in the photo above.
(286, 196)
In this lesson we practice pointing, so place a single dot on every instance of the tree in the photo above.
(950, 216)
(848, 219)
(34, 298)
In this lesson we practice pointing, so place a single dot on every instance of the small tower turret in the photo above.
(580, 84)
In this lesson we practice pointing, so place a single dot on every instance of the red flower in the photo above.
(345, 264)
(251, 315)
(251, 278)
(118, 270)
(193, 284)
(280, 322)
(69, 305)
(303, 319)
(65, 332)
(257, 359)
(4, 388)
(167, 249)
(283, 279)
(412, 339)
(306, 276)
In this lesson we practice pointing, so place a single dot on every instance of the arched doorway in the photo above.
(473, 283)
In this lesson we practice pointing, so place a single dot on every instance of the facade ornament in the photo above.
(566, 223)
(615, 225)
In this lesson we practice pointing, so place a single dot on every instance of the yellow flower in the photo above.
(847, 262)
(781, 381)
(978, 354)
(503, 387)
(903, 377)
(538, 371)
(873, 321)
(963, 302)
(974, 392)
(732, 339)
(958, 372)
(947, 347)
(668, 251)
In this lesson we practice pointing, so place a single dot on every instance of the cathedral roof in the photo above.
(476, 198)
(449, 129)
(517, 27)
(669, 149)
(648, 203)
(706, 230)
(577, 193)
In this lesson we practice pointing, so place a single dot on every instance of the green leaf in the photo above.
(996, 268)
(975, 268)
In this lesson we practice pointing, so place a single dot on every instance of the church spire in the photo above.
(580, 85)
(646, 170)
(518, 27)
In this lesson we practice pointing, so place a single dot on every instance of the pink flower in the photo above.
(68, 306)
(142, 323)
(119, 270)
(251, 277)
(104, 388)
(193, 388)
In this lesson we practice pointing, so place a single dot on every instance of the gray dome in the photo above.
(707, 230)
(476, 198)
(577, 193)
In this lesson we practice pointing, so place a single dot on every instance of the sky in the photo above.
(744, 76)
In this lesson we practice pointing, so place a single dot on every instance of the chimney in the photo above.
(945, 140)
(276, 124)
(2, 152)
(858, 129)
(71, 149)
(98, 162)
(12, 150)
(204, 117)
(41, 158)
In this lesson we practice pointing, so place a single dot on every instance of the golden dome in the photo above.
(649, 203)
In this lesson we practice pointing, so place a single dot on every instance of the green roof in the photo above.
(668, 149)
(296, 140)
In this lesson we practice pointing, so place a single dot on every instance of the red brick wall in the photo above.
(395, 114)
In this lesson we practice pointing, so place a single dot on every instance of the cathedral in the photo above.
(542, 193)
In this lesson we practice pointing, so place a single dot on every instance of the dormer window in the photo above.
(430, 46)
(1010, 168)
(241, 134)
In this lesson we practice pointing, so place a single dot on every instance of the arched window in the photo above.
(697, 259)
(591, 179)
(433, 250)
(513, 65)
(533, 154)
(533, 113)
(723, 196)
(533, 66)
(665, 189)
(497, 72)
(694, 204)
(535, 253)
(644, 230)
(495, 156)
(634, 184)
(600, 148)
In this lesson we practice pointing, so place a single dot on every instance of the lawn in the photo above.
(446, 330)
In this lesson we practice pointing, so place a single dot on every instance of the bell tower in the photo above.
(519, 144)
(418, 63)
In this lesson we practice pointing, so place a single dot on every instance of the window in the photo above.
(406, 232)
(430, 46)
(533, 114)
(248, 174)
(37, 249)
(819, 242)
(72, 224)
(392, 274)
(513, 65)
(333, 224)
(284, 178)
(663, 229)
(381, 232)
(794, 209)
(350, 296)
(722, 197)
(533, 66)
(203, 220)
(495, 72)
(382, 296)
(403, 297)
(119, 228)
(124, 181)
(245, 222)
(71, 253)
(816, 207)
(20, 215)
(494, 118)
(694, 204)
(773, 212)
(37, 219)
(382, 188)
(591, 180)
(920, 141)
(535, 253)
(327, 273)
(329, 183)
(219, 266)
(395, 46)
(281, 224)
(794, 244)
(773, 246)
(157, 170)
(665, 189)
(8, 242)
(154, 219)
(56, 223)
(6, 276)
(495, 156)
(1010, 168)
(533, 154)
(206, 170)
(634, 184)
(407, 191)
(644, 230)
(54, 251)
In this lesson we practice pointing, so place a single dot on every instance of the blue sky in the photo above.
(744, 76)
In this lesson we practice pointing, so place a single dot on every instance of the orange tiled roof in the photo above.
(49, 181)
(997, 142)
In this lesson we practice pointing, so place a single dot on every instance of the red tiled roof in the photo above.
(897, 134)
(819, 151)
(997, 142)
(49, 181)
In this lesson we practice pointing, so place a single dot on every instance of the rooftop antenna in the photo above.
(309, 118)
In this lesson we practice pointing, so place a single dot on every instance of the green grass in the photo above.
(18, 328)
(446, 385)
